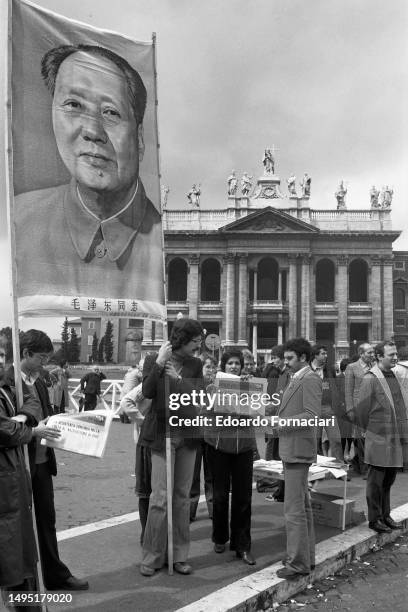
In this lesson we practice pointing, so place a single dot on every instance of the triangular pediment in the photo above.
(269, 221)
(400, 279)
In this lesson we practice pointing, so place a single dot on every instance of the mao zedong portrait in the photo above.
(99, 235)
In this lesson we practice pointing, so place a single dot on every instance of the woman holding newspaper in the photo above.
(172, 371)
(231, 459)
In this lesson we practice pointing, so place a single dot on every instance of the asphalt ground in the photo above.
(88, 490)
(376, 581)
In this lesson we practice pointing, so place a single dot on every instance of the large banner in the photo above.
(86, 206)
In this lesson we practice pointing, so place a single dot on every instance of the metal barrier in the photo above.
(114, 388)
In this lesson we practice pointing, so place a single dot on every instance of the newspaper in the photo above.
(239, 397)
(85, 433)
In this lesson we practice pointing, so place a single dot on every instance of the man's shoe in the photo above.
(71, 584)
(312, 567)
(146, 570)
(183, 568)
(379, 527)
(289, 574)
(246, 557)
(219, 548)
(387, 520)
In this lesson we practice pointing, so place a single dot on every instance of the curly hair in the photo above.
(231, 353)
(300, 346)
(52, 60)
(183, 331)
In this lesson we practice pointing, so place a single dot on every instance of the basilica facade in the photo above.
(269, 266)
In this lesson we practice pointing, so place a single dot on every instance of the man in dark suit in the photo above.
(353, 378)
(35, 349)
(302, 400)
(91, 387)
(382, 412)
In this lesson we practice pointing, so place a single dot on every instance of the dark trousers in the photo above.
(272, 452)
(90, 401)
(236, 470)
(55, 572)
(201, 457)
(358, 460)
(379, 483)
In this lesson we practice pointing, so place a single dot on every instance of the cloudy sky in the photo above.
(324, 81)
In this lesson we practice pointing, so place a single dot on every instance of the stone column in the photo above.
(147, 331)
(280, 286)
(342, 305)
(305, 298)
(375, 298)
(255, 284)
(292, 295)
(280, 333)
(192, 285)
(388, 302)
(242, 298)
(230, 299)
(159, 333)
(255, 337)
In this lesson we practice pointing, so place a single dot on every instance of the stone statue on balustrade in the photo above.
(374, 195)
(194, 195)
(165, 195)
(268, 162)
(305, 185)
(386, 196)
(291, 181)
(341, 196)
(232, 184)
(246, 184)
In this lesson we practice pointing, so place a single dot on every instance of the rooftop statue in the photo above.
(341, 195)
(268, 162)
(246, 184)
(232, 184)
(291, 181)
(165, 195)
(194, 195)
(374, 195)
(305, 185)
(386, 196)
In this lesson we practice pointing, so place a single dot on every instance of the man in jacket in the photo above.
(35, 350)
(382, 413)
(91, 387)
(18, 554)
(298, 448)
(354, 377)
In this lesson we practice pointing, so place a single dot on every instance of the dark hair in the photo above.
(183, 331)
(206, 356)
(35, 341)
(52, 60)
(278, 351)
(403, 353)
(379, 348)
(300, 346)
(316, 350)
(344, 363)
(62, 363)
(231, 353)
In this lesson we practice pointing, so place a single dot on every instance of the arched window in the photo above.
(358, 280)
(177, 280)
(325, 275)
(210, 280)
(400, 298)
(268, 279)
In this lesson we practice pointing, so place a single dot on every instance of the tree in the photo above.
(100, 350)
(74, 351)
(7, 334)
(109, 341)
(94, 348)
(65, 341)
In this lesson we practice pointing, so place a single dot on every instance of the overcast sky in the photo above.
(323, 80)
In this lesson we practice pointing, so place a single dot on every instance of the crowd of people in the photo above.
(365, 405)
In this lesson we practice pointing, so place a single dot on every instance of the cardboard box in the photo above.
(328, 510)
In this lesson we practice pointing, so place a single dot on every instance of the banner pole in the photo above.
(13, 275)
(169, 486)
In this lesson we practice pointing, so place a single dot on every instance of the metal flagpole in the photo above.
(13, 271)
(169, 484)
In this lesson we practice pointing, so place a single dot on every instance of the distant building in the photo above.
(400, 298)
